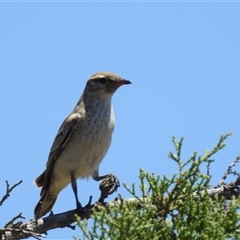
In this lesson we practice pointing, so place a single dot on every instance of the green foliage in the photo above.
(169, 208)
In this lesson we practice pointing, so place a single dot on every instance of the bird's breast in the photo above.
(89, 143)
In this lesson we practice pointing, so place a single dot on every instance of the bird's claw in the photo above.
(89, 204)
(80, 209)
(79, 205)
(108, 186)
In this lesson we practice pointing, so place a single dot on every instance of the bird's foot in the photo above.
(89, 204)
(108, 186)
(51, 213)
(79, 205)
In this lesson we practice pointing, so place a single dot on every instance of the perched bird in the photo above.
(81, 142)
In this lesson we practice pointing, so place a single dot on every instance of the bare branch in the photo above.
(8, 190)
(229, 171)
(11, 222)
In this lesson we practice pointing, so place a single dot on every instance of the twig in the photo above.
(229, 171)
(208, 167)
(8, 190)
(11, 222)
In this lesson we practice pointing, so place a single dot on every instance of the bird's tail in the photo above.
(45, 204)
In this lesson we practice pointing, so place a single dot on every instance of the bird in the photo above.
(81, 143)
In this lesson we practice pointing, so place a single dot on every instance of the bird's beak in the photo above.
(122, 82)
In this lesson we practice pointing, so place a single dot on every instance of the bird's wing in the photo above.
(63, 135)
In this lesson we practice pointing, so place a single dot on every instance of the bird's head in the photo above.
(104, 84)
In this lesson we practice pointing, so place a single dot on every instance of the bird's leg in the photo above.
(74, 188)
(96, 177)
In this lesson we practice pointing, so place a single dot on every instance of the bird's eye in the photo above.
(102, 80)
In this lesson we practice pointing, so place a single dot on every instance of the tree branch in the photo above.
(38, 229)
(8, 190)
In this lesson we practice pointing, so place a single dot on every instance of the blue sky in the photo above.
(183, 60)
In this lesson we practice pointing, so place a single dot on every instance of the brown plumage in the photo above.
(81, 142)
